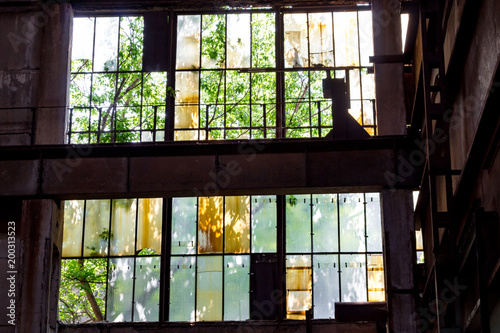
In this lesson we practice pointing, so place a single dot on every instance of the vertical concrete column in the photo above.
(399, 259)
(391, 111)
(40, 243)
(56, 22)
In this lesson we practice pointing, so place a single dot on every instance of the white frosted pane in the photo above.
(263, 224)
(182, 288)
(296, 54)
(325, 223)
(353, 278)
(147, 289)
(123, 227)
(83, 38)
(352, 223)
(73, 228)
(321, 39)
(325, 285)
(209, 289)
(149, 224)
(96, 228)
(236, 287)
(298, 223)
(346, 39)
(365, 37)
(188, 41)
(120, 286)
(184, 212)
(238, 40)
(106, 43)
(354, 82)
(368, 83)
(373, 223)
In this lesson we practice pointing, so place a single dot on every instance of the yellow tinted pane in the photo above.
(237, 224)
(210, 225)
(149, 224)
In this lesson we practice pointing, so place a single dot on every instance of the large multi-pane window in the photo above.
(220, 258)
(229, 78)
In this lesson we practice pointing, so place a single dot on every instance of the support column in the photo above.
(38, 276)
(391, 111)
(399, 259)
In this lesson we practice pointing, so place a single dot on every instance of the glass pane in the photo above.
(149, 225)
(120, 286)
(209, 289)
(263, 224)
(320, 39)
(352, 223)
(346, 39)
(325, 223)
(368, 83)
(298, 286)
(376, 289)
(353, 278)
(263, 49)
(83, 44)
(355, 87)
(106, 43)
(298, 223)
(236, 287)
(123, 227)
(373, 223)
(188, 41)
(147, 289)
(184, 225)
(79, 94)
(103, 94)
(154, 93)
(96, 228)
(210, 225)
(182, 284)
(186, 101)
(213, 41)
(73, 228)
(365, 37)
(296, 54)
(326, 285)
(131, 39)
(237, 221)
(238, 40)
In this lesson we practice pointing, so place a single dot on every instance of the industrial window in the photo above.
(229, 80)
(220, 258)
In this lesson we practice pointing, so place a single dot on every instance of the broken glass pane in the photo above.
(182, 285)
(365, 37)
(326, 285)
(238, 40)
(346, 39)
(80, 96)
(373, 223)
(209, 289)
(352, 222)
(263, 49)
(210, 225)
(188, 41)
(120, 286)
(184, 213)
(149, 225)
(325, 223)
(263, 224)
(237, 224)
(376, 289)
(353, 278)
(213, 42)
(236, 287)
(298, 286)
(123, 227)
(298, 223)
(131, 43)
(147, 289)
(296, 54)
(106, 44)
(81, 53)
(73, 228)
(320, 39)
(96, 228)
